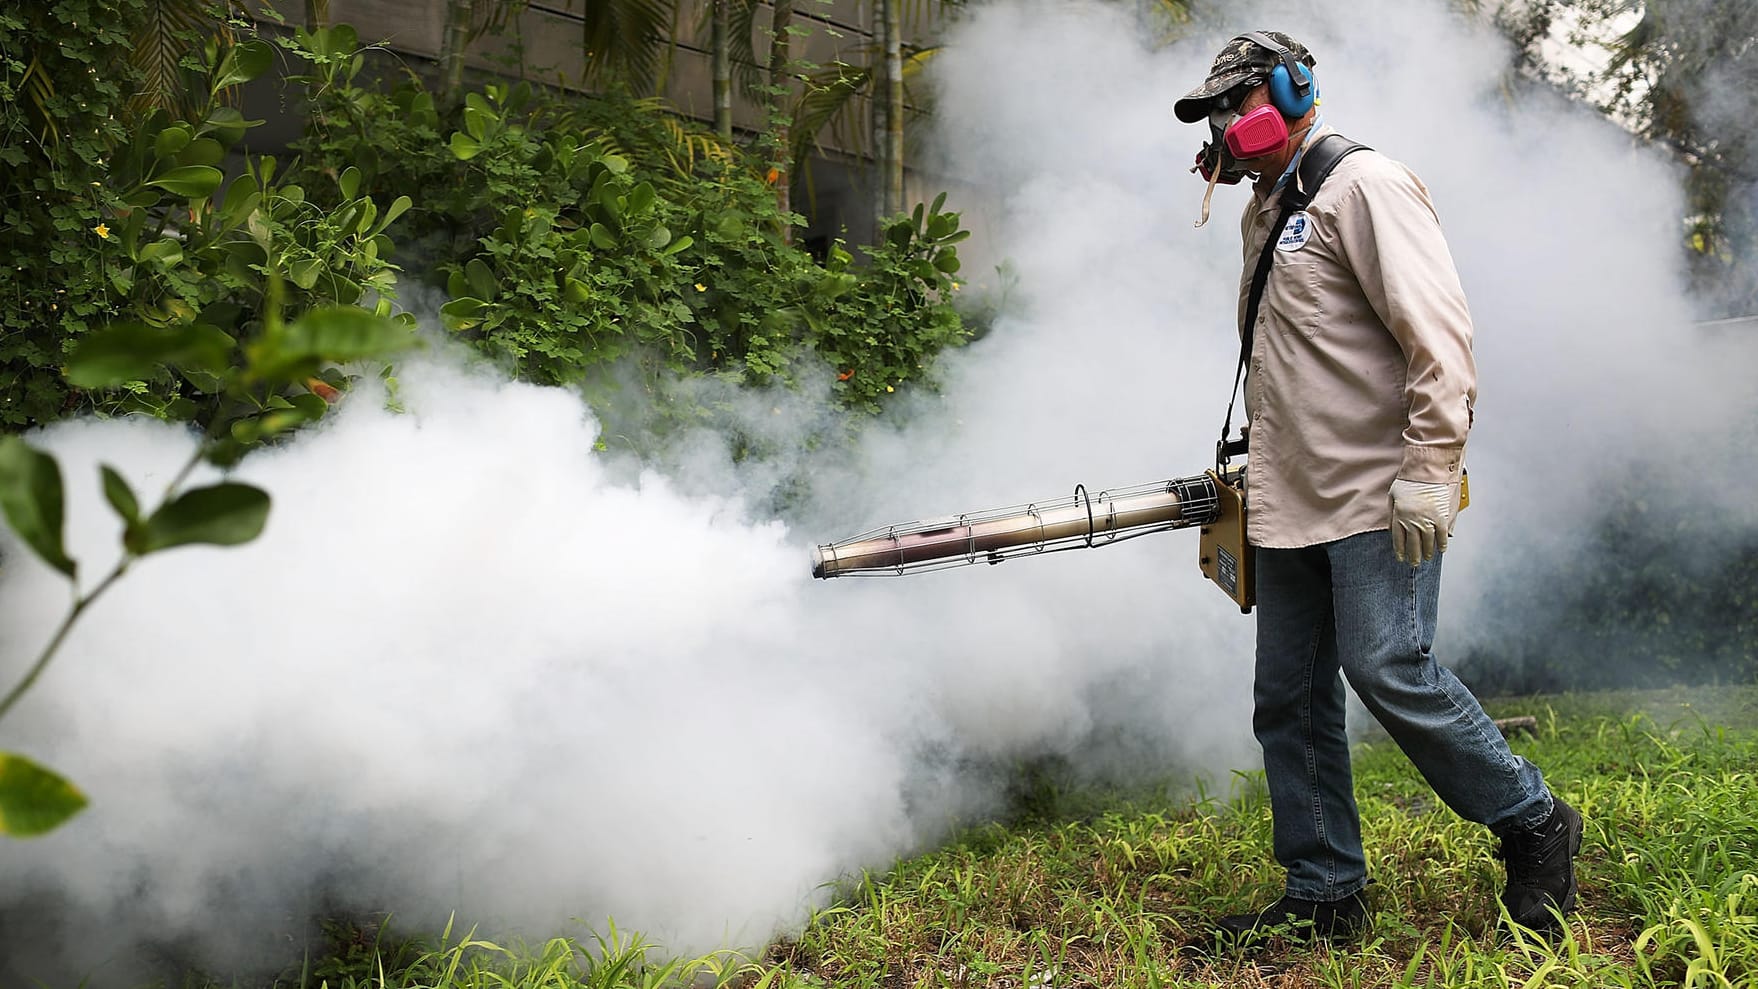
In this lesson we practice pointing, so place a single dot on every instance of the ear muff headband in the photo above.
(1292, 88)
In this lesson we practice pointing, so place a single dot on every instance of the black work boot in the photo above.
(1296, 920)
(1541, 869)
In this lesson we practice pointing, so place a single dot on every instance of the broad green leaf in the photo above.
(238, 208)
(335, 334)
(34, 800)
(476, 120)
(202, 151)
(482, 281)
(205, 382)
(31, 495)
(238, 197)
(243, 63)
(279, 421)
(657, 238)
(167, 250)
(337, 40)
(682, 243)
(575, 290)
(313, 406)
(464, 147)
(134, 351)
(304, 272)
(120, 495)
(368, 214)
(946, 261)
(398, 207)
(616, 163)
(641, 197)
(229, 125)
(349, 181)
(461, 314)
(171, 140)
(344, 290)
(190, 181)
(224, 514)
(602, 238)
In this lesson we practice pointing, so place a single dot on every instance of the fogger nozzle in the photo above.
(1075, 522)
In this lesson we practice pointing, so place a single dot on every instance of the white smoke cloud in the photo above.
(474, 667)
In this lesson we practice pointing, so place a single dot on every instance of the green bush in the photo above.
(133, 220)
(64, 80)
(571, 233)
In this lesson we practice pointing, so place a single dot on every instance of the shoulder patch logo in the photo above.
(1295, 233)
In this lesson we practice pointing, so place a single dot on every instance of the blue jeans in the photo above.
(1351, 605)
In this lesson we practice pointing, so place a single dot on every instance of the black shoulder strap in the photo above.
(1315, 166)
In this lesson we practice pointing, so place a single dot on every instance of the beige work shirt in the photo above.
(1361, 369)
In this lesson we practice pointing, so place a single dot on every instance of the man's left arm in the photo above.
(1393, 242)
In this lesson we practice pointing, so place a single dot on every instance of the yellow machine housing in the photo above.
(1223, 552)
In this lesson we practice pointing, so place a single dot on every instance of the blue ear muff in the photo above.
(1288, 97)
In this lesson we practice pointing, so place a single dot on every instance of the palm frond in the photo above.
(689, 146)
(41, 90)
(828, 101)
(491, 16)
(747, 74)
(622, 40)
(167, 32)
(833, 93)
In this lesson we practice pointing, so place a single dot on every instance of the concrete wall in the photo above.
(544, 42)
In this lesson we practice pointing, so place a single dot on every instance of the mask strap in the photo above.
(1295, 162)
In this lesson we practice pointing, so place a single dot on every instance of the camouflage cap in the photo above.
(1242, 59)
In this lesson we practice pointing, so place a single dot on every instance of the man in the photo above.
(1359, 393)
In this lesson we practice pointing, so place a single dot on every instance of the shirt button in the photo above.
(1452, 467)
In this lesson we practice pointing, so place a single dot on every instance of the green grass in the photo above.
(1668, 782)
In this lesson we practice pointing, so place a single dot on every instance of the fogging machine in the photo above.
(1213, 501)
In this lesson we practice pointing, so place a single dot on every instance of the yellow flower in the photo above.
(888, 388)
(102, 231)
(701, 287)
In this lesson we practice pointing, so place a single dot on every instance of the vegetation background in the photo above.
(154, 264)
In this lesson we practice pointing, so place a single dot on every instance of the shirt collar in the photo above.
(1263, 204)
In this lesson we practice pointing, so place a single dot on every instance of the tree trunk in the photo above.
(893, 84)
(721, 42)
(453, 42)
(779, 90)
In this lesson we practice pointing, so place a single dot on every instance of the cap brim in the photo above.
(1194, 105)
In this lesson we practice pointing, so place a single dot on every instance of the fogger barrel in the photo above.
(1076, 522)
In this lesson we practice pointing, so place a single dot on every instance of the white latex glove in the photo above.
(1423, 513)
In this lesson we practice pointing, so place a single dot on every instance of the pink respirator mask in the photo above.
(1257, 133)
